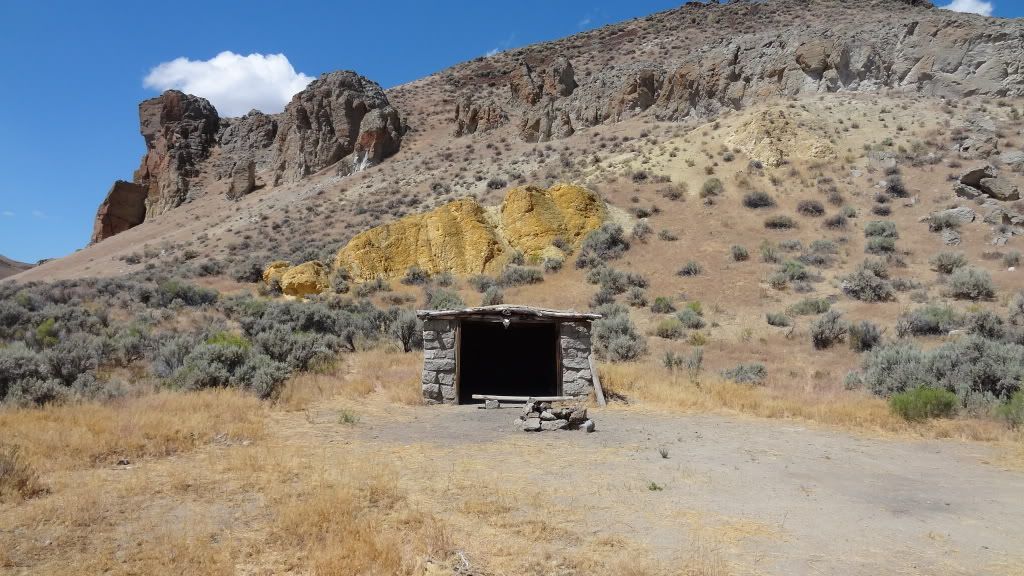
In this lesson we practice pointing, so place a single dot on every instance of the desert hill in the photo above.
(10, 267)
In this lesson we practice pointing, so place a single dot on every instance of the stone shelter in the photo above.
(505, 350)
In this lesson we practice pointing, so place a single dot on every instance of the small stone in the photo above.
(578, 415)
(547, 415)
(491, 404)
(588, 426)
(553, 425)
(531, 425)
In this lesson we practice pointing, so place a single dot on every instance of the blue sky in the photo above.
(74, 76)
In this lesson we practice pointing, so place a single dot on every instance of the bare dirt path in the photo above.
(767, 497)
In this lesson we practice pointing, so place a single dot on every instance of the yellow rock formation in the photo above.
(307, 278)
(464, 238)
(775, 136)
(456, 237)
(275, 270)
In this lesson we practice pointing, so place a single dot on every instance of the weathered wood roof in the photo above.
(507, 310)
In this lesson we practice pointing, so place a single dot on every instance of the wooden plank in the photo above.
(458, 362)
(597, 382)
(524, 398)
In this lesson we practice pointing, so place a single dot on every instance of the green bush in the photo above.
(924, 402)
(809, 307)
(931, 319)
(828, 329)
(637, 297)
(415, 276)
(739, 253)
(514, 275)
(810, 208)
(1013, 410)
(947, 262)
(777, 319)
(662, 305)
(940, 222)
(690, 319)
(769, 253)
(691, 268)
(443, 299)
(492, 297)
(752, 373)
(615, 337)
(971, 284)
(876, 245)
(866, 285)
(881, 229)
(606, 243)
(711, 187)
(669, 328)
(864, 336)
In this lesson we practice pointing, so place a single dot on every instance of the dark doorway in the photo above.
(520, 360)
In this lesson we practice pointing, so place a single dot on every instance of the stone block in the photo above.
(576, 363)
(439, 365)
(432, 391)
(439, 354)
(531, 425)
(553, 424)
(491, 404)
(448, 339)
(445, 378)
(448, 393)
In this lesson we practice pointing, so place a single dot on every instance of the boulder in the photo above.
(275, 270)
(340, 119)
(974, 176)
(243, 178)
(962, 214)
(532, 425)
(533, 218)
(999, 188)
(124, 207)
(305, 279)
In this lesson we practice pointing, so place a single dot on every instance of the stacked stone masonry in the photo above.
(439, 350)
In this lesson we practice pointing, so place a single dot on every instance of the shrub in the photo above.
(690, 319)
(758, 200)
(777, 319)
(669, 328)
(866, 285)
(552, 265)
(17, 364)
(261, 375)
(371, 287)
(249, 270)
(739, 253)
(793, 270)
(895, 187)
(1011, 259)
(442, 299)
(864, 336)
(514, 275)
(881, 229)
(605, 243)
(809, 307)
(779, 222)
(408, 330)
(18, 480)
(1013, 410)
(492, 297)
(810, 208)
(662, 305)
(836, 221)
(667, 236)
(170, 291)
(210, 366)
(615, 336)
(985, 323)
(711, 187)
(445, 279)
(942, 221)
(752, 373)
(828, 329)
(170, 354)
(637, 297)
(482, 283)
(971, 284)
(340, 281)
(881, 210)
(415, 276)
(931, 319)
(924, 402)
(778, 281)
(1016, 314)
(691, 268)
(880, 246)
(641, 230)
(769, 253)
(947, 262)
(603, 296)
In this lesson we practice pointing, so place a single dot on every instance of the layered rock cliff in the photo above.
(340, 120)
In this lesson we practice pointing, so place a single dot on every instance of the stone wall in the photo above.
(574, 338)
(438, 380)
(439, 361)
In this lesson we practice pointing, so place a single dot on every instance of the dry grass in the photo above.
(82, 435)
(393, 375)
(652, 385)
(18, 479)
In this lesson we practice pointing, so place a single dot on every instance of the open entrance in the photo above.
(520, 360)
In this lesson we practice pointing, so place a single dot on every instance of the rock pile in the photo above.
(541, 416)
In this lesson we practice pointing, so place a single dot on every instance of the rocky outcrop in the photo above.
(275, 270)
(902, 46)
(466, 238)
(471, 118)
(242, 179)
(340, 119)
(305, 279)
(179, 130)
(986, 181)
(124, 207)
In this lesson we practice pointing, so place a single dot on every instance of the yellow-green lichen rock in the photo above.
(275, 270)
(532, 218)
(456, 237)
(307, 278)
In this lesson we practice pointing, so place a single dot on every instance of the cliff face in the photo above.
(701, 59)
(341, 119)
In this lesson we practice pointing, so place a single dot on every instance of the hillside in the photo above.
(800, 221)
(10, 267)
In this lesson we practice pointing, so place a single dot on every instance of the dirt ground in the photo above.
(764, 497)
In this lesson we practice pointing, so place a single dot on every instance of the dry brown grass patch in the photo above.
(82, 435)
(394, 375)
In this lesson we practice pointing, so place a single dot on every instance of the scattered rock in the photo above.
(491, 404)
(532, 425)
(547, 415)
(544, 416)
(951, 237)
(963, 214)
(588, 426)
(999, 188)
(243, 178)
(275, 270)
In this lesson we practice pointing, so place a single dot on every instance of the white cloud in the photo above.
(233, 83)
(7, 214)
(39, 214)
(584, 22)
(972, 6)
